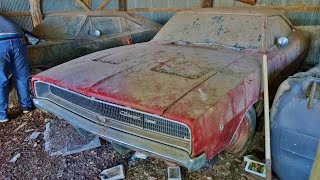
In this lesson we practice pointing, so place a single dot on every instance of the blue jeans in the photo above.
(13, 59)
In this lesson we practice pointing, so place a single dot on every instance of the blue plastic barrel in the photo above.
(295, 125)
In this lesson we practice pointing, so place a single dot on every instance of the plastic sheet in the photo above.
(63, 139)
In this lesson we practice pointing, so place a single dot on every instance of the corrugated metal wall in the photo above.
(46, 6)
(161, 17)
(65, 5)
(298, 11)
(298, 17)
(313, 56)
(308, 20)
(301, 18)
(17, 6)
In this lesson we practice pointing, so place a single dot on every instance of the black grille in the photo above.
(124, 115)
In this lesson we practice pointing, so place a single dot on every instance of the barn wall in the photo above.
(300, 12)
(18, 10)
(17, 6)
(162, 17)
(296, 10)
(313, 56)
(305, 14)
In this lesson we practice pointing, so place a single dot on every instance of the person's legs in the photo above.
(4, 83)
(20, 72)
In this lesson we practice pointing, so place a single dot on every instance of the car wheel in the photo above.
(243, 135)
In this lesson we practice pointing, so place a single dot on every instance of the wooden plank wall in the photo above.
(301, 13)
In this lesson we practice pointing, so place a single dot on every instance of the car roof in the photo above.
(236, 10)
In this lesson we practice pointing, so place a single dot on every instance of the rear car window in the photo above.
(107, 26)
(234, 30)
(60, 26)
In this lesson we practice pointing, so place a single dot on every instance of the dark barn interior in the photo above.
(159, 89)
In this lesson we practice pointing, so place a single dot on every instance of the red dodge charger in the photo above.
(186, 95)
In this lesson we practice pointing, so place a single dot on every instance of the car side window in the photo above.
(277, 27)
(60, 26)
(128, 25)
(105, 25)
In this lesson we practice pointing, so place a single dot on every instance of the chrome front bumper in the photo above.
(127, 140)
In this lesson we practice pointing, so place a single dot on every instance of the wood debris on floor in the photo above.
(35, 162)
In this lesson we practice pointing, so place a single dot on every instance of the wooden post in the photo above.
(35, 10)
(83, 5)
(122, 5)
(266, 116)
(85, 2)
(207, 3)
(102, 5)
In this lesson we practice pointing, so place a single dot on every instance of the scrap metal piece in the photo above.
(34, 135)
(15, 158)
(114, 173)
(62, 139)
(174, 173)
(140, 155)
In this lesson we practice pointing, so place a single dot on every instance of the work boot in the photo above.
(4, 120)
(26, 110)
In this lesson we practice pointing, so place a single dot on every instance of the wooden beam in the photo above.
(161, 9)
(17, 14)
(35, 10)
(84, 6)
(301, 7)
(102, 5)
(287, 8)
(252, 2)
(122, 5)
(86, 2)
(207, 3)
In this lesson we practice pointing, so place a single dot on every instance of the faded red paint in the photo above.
(172, 81)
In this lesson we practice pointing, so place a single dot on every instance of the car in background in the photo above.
(66, 36)
(186, 95)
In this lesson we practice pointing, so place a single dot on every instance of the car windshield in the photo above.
(60, 27)
(232, 30)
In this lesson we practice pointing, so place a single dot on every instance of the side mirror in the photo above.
(97, 33)
(282, 42)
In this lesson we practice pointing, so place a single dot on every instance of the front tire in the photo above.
(243, 135)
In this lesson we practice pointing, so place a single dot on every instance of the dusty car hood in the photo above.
(149, 77)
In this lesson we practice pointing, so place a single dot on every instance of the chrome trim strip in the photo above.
(130, 141)
(167, 139)
(184, 145)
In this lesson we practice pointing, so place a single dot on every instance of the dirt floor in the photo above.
(34, 163)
